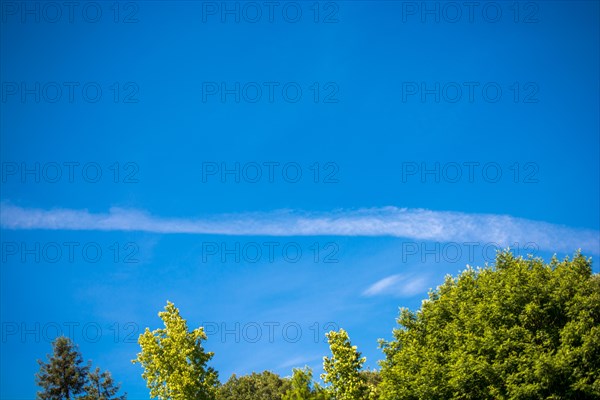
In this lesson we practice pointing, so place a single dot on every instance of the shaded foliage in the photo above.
(266, 385)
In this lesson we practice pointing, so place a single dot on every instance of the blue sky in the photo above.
(371, 149)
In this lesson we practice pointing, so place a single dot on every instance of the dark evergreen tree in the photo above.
(64, 375)
(100, 386)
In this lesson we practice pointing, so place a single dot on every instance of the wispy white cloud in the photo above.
(399, 285)
(300, 361)
(415, 224)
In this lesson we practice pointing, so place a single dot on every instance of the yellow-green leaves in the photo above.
(174, 361)
(342, 369)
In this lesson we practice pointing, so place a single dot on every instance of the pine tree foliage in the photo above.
(100, 386)
(63, 376)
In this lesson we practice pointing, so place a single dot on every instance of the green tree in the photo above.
(521, 329)
(302, 386)
(342, 369)
(100, 386)
(174, 361)
(264, 386)
(373, 379)
(63, 376)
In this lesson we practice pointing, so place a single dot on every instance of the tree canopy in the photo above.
(174, 360)
(65, 376)
(303, 387)
(101, 386)
(266, 385)
(519, 330)
(342, 369)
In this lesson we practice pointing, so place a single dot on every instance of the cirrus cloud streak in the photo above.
(416, 224)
